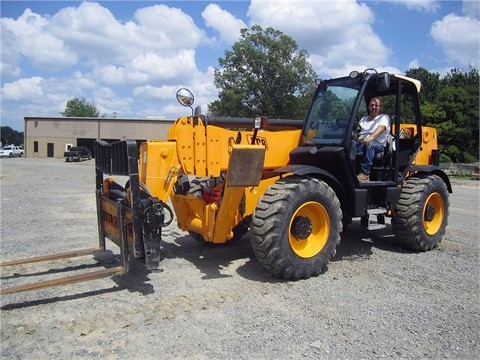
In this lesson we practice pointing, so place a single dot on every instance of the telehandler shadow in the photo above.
(213, 261)
(216, 261)
(133, 281)
(357, 243)
(219, 261)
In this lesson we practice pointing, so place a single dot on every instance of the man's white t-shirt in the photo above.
(368, 127)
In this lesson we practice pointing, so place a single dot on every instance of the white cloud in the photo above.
(336, 34)
(160, 67)
(458, 37)
(109, 103)
(227, 25)
(91, 36)
(149, 68)
(155, 92)
(99, 37)
(37, 96)
(91, 31)
(164, 28)
(10, 59)
(28, 37)
(23, 89)
(414, 64)
(421, 5)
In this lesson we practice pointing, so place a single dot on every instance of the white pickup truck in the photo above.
(11, 151)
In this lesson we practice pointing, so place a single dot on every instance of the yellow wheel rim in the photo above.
(310, 242)
(433, 213)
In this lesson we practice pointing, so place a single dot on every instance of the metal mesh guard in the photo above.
(114, 158)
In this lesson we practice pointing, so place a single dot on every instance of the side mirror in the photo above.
(383, 81)
(185, 97)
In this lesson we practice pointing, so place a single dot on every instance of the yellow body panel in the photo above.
(199, 150)
(253, 193)
(159, 167)
(429, 142)
(203, 149)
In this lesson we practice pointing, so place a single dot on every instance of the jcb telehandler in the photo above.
(292, 184)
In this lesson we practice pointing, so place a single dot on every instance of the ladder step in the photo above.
(378, 211)
(375, 219)
(374, 226)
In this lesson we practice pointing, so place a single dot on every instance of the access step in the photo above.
(375, 219)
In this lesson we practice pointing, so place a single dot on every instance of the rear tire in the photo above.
(420, 218)
(296, 227)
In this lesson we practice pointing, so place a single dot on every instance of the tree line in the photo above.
(451, 105)
(10, 136)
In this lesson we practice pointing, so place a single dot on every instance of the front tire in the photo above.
(420, 218)
(296, 227)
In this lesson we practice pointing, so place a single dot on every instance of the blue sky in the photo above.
(130, 57)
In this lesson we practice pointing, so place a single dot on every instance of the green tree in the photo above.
(462, 107)
(430, 83)
(80, 108)
(451, 105)
(432, 112)
(264, 74)
(10, 136)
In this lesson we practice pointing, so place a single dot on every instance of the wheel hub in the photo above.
(301, 227)
(429, 213)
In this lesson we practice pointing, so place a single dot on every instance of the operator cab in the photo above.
(332, 123)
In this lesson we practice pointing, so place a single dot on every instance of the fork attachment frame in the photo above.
(92, 275)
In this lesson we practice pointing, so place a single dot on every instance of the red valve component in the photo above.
(211, 196)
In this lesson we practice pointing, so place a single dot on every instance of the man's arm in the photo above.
(375, 134)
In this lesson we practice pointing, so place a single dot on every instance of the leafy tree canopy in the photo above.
(264, 74)
(451, 105)
(80, 108)
(10, 136)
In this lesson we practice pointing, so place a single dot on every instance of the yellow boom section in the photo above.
(205, 150)
(198, 150)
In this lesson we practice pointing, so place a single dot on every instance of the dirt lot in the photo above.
(375, 301)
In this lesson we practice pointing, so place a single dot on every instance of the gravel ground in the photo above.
(375, 301)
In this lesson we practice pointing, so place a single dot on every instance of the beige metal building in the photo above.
(51, 137)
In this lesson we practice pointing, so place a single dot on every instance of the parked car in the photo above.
(11, 151)
(77, 153)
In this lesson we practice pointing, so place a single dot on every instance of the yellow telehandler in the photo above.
(292, 184)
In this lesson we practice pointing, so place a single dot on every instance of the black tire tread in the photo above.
(268, 228)
(407, 220)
